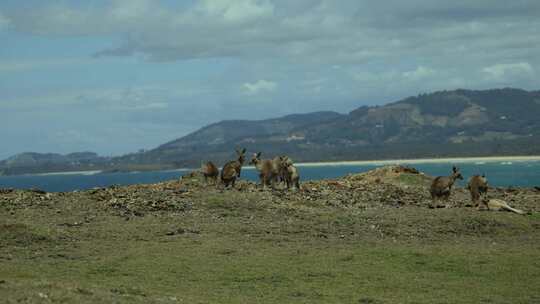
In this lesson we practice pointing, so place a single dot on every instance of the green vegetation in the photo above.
(187, 243)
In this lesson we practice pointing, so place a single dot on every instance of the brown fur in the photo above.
(500, 205)
(279, 165)
(478, 187)
(209, 170)
(231, 170)
(269, 169)
(441, 187)
(289, 173)
(292, 177)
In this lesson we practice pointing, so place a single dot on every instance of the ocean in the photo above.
(501, 173)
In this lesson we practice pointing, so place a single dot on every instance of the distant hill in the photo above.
(218, 140)
(30, 162)
(441, 124)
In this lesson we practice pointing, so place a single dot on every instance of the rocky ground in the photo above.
(387, 208)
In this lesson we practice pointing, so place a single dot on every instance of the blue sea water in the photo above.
(499, 173)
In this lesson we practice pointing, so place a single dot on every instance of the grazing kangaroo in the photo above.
(441, 187)
(209, 170)
(478, 186)
(269, 169)
(231, 170)
(500, 205)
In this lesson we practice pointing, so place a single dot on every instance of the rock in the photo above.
(36, 190)
(6, 190)
(75, 224)
(176, 231)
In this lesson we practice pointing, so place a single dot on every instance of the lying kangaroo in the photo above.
(268, 169)
(231, 170)
(478, 186)
(209, 170)
(441, 187)
(500, 205)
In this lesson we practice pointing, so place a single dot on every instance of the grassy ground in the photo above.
(250, 246)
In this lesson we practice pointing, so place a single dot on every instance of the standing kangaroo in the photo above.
(279, 166)
(293, 177)
(289, 173)
(478, 186)
(231, 170)
(209, 170)
(441, 187)
(269, 169)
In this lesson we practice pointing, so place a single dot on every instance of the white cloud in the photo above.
(312, 31)
(258, 87)
(309, 52)
(145, 98)
(503, 71)
(237, 10)
(419, 73)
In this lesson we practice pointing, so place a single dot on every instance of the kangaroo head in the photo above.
(256, 158)
(484, 179)
(285, 160)
(241, 154)
(456, 174)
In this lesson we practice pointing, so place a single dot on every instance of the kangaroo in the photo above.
(280, 167)
(500, 205)
(231, 170)
(285, 161)
(268, 169)
(478, 186)
(441, 187)
(292, 177)
(209, 170)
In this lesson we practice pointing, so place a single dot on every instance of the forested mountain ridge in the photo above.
(440, 124)
(445, 123)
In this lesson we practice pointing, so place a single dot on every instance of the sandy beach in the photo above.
(456, 160)
(92, 172)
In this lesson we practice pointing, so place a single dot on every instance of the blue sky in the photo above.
(117, 76)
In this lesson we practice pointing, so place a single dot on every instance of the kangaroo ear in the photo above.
(454, 169)
(243, 150)
(483, 175)
(258, 154)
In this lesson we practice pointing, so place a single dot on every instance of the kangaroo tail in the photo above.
(506, 207)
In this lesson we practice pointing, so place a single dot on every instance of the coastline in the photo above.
(457, 160)
(89, 172)
(481, 159)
